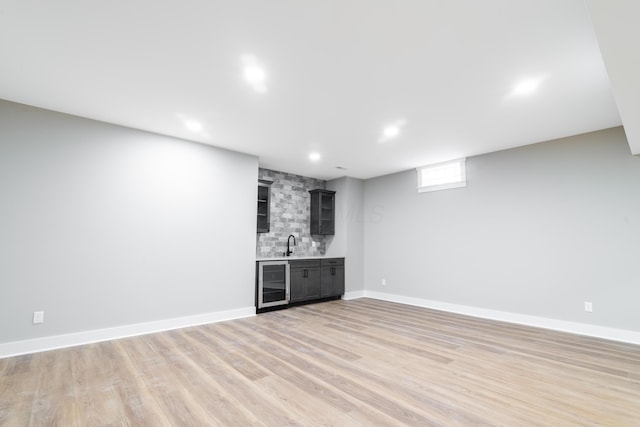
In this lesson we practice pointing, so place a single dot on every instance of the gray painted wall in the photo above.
(103, 226)
(337, 244)
(348, 240)
(538, 231)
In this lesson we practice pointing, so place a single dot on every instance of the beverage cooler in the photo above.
(273, 284)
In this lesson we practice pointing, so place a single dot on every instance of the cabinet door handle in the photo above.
(305, 273)
(333, 271)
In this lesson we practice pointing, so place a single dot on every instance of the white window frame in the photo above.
(442, 183)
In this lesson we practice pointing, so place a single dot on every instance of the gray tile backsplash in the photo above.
(289, 215)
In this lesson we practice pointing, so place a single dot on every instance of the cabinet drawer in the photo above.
(304, 263)
(333, 262)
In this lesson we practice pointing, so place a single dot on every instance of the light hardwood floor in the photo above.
(344, 363)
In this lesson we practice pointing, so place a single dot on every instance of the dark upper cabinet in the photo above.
(323, 205)
(264, 200)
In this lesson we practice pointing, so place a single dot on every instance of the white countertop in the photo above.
(286, 258)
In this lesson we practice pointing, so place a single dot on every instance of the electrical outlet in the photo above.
(38, 317)
(384, 282)
(588, 306)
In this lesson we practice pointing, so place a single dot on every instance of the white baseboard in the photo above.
(17, 348)
(622, 335)
(353, 295)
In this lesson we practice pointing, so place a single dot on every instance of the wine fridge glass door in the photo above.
(273, 283)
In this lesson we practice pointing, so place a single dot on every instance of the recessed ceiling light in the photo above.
(526, 87)
(392, 130)
(254, 73)
(193, 125)
(314, 157)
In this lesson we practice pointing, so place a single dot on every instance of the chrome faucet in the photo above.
(289, 250)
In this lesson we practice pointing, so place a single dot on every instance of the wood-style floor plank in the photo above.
(342, 363)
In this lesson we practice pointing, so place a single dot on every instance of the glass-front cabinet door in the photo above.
(322, 211)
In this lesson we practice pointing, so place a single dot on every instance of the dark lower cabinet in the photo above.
(316, 279)
(305, 280)
(332, 277)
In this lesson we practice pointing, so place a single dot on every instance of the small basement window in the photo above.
(442, 176)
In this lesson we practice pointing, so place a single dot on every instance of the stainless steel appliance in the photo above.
(273, 283)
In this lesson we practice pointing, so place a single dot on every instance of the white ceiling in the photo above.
(338, 72)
